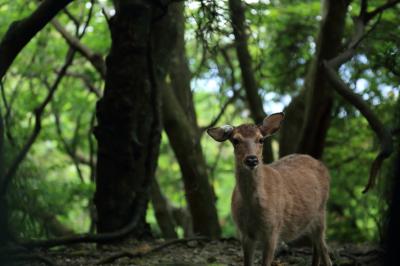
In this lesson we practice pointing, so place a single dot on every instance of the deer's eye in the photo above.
(261, 141)
(235, 141)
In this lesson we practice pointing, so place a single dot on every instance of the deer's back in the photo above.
(302, 193)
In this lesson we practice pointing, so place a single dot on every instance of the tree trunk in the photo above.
(393, 216)
(294, 118)
(4, 233)
(187, 148)
(179, 69)
(163, 212)
(183, 134)
(237, 14)
(319, 93)
(128, 130)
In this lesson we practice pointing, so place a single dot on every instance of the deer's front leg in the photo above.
(248, 246)
(269, 247)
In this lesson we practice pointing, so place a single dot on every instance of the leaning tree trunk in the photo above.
(237, 15)
(183, 134)
(319, 93)
(128, 131)
(294, 118)
(4, 233)
(187, 148)
(391, 218)
(163, 212)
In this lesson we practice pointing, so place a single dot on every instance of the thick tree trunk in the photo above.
(319, 93)
(237, 14)
(393, 219)
(128, 130)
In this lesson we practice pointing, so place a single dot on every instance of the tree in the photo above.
(319, 93)
(129, 125)
(21, 32)
(237, 16)
(184, 136)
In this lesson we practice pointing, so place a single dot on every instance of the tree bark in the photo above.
(187, 148)
(179, 69)
(4, 232)
(128, 130)
(163, 212)
(392, 220)
(319, 92)
(21, 32)
(184, 136)
(237, 15)
(294, 118)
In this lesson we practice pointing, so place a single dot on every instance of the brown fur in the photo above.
(280, 201)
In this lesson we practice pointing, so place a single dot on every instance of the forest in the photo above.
(104, 110)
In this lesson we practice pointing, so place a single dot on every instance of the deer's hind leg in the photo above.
(320, 249)
(248, 246)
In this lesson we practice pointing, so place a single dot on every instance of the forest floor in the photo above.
(189, 252)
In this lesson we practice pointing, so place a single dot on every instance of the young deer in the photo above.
(279, 201)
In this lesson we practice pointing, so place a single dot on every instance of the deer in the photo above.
(281, 201)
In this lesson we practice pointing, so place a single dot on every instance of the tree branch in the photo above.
(380, 9)
(88, 83)
(94, 58)
(70, 149)
(38, 112)
(377, 126)
(383, 133)
(236, 92)
(21, 32)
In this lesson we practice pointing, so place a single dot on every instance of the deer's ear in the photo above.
(220, 133)
(271, 124)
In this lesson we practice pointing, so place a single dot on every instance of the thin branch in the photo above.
(235, 95)
(88, 83)
(236, 92)
(74, 20)
(22, 31)
(380, 9)
(94, 58)
(104, 11)
(87, 21)
(71, 151)
(38, 112)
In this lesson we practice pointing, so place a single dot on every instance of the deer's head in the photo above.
(248, 139)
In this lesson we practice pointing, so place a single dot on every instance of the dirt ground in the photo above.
(183, 253)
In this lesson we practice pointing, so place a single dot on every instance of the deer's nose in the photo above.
(251, 161)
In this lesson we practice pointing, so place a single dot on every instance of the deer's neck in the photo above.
(247, 182)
